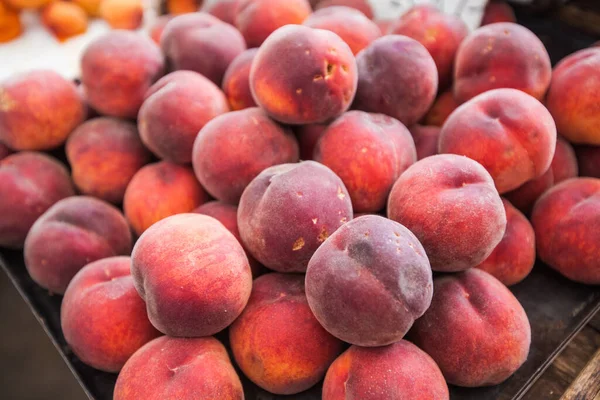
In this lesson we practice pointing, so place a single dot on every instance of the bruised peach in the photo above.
(122, 14)
(368, 152)
(277, 328)
(29, 184)
(257, 19)
(158, 191)
(289, 210)
(302, 75)
(426, 140)
(308, 136)
(117, 70)
(65, 19)
(225, 10)
(566, 220)
(440, 33)
(232, 149)
(513, 258)
(475, 330)
(386, 284)
(102, 316)
(572, 98)
(71, 234)
(350, 24)
(10, 24)
(361, 5)
(403, 93)
(502, 55)
(176, 108)
(236, 82)
(588, 158)
(193, 275)
(182, 369)
(38, 110)
(400, 371)
(158, 28)
(450, 203)
(514, 133)
(497, 11)
(104, 154)
(201, 43)
(439, 112)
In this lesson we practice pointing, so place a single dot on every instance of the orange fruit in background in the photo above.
(182, 6)
(18, 4)
(65, 19)
(122, 14)
(91, 7)
(10, 24)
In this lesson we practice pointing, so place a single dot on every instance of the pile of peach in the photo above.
(397, 234)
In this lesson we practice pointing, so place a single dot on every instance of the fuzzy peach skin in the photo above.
(509, 132)
(440, 33)
(303, 76)
(400, 371)
(289, 210)
(65, 19)
(497, 11)
(29, 184)
(236, 82)
(179, 369)
(513, 258)
(122, 14)
(588, 158)
(563, 167)
(566, 220)
(104, 154)
(193, 274)
(308, 136)
(361, 5)
(232, 149)
(385, 285)
(572, 96)
(426, 140)
(158, 191)
(403, 93)
(158, 27)
(257, 19)
(225, 10)
(351, 25)
(71, 234)
(117, 69)
(451, 205)
(176, 108)
(502, 55)
(475, 330)
(439, 112)
(277, 342)
(38, 110)
(368, 152)
(102, 316)
(201, 43)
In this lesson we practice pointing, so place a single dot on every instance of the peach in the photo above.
(278, 329)
(439, 112)
(117, 70)
(71, 234)
(201, 43)
(475, 330)
(361, 5)
(225, 10)
(565, 220)
(303, 76)
(426, 140)
(450, 203)
(588, 158)
(513, 258)
(308, 136)
(289, 210)
(176, 108)
(572, 96)
(176, 7)
(179, 369)
(158, 28)
(30, 183)
(104, 154)
(502, 55)
(403, 93)
(65, 19)
(10, 24)
(497, 11)
(257, 19)
(158, 191)
(122, 14)
(368, 152)
(91, 7)
(236, 82)
(440, 33)
(102, 316)
(351, 25)
(385, 285)
(38, 110)
(400, 371)
(514, 134)
(563, 166)
(193, 274)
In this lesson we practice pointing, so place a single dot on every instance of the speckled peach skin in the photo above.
(475, 330)
(236, 82)
(308, 136)
(369, 282)
(588, 159)
(497, 11)
(439, 112)
(360, 5)
(426, 140)
(277, 342)
(103, 318)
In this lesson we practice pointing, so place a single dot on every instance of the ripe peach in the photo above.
(225, 10)
(176, 7)
(91, 7)
(426, 140)
(236, 82)
(65, 19)
(122, 14)
(10, 24)
(439, 112)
